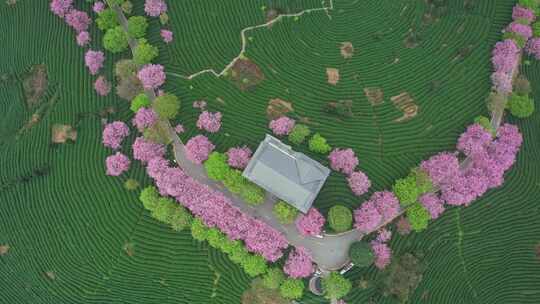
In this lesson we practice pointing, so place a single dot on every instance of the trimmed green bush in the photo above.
(406, 191)
(229, 246)
(536, 29)
(340, 218)
(252, 194)
(180, 219)
(285, 213)
(418, 217)
(292, 289)
(164, 210)
(125, 68)
(361, 254)
(216, 166)
(199, 231)
(158, 134)
(254, 265)
(138, 102)
(520, 106)
(234, 181)
(238, 255)
(115, 40)
(299, 134)
(485, 123)
(131, 184)
(318, 144)
(107, 19)
(273, 278)
(149, 197)
(166, 106)
(144, 52)
(335, 286)
(137, 26)
(216, 238)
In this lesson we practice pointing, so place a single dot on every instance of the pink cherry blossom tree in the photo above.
(117, 164)
(343, 160)
(152, 76)
(102, 86)
(282, 125)
(78, 20)
(154, 8)
(167, 36)
(83, 38)
(144, 118)
(310, 223)
(210, 122)
(359, 183)
(433, 204)
(94, 61)
(198, 148)
(382, 253)
(144, 150)
(299, 264)
(61, 7)
(114, 133)
(98, 7)
(238, 157)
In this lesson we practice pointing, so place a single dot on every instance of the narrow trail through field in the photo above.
(245, 40)
(329, 251)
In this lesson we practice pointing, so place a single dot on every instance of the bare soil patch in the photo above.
(347, 50)
(405, 103)
(245, 74)
(277, 108)
(35, 84)
(4, 249)
(61, 133)
(333, 75)
(374, 95)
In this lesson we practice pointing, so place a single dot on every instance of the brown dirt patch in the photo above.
(374, 95)
(333, 75)
(129, 248)
(61, 133)
(277, 108)
(245, 74)
(35, 84)
(4, 249)
(405, 103)
(342, 108)
(51, 275)
(538, 251)
(347, 50)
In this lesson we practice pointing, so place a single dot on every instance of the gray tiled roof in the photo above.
(289, 175)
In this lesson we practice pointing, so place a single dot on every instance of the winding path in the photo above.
(329, 251)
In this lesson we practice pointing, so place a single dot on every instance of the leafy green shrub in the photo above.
(254, 265)
(531, 4)
(418, 217)
(107, 19)
(521, 106)
(115, 40)
(125, 68)
(536, 29)
(127, 7)
(299, 134)
(199, 231)
(518, 39)
(216, 166)
(216, 238)
(180, 218)
(406, 191)
(131, 184)
(318, 144)
(149, 197)
(166, 106)
(273, 278)
(138, 102)
(335, 286)
(522, 86)
(229, 246)
(158, 134)
(238, 255)
(144, 52)
(164, 210)
(361, 254)
(292, 289)
(285, 213)
(252, 194)
(137, 26)
(485, 123)
(234, 181)
(340, 218)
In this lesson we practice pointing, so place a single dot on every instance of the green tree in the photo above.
(216, 166)
(216, 238)
(149, 197)
(273, 278)
(406, 191)
(131, 184)
(115, 40)
(238, 255)
(107, 19)
(157, 133)
(285, 213)
(292, 289)
(485, 123)
(299, 134)
(229, 246)
(166, 106)
(180, 219)
(127, 7)
(164, 210)
(361, 254)
(125, 68)
(521, 106)
(340, 218)
(144, 52)
(137, 26)
(531, 4)
(234, 181)
(536, 29)
(318, 144)
(418, 217)
(335, 286)
(199, 231)
(138, 102)
(254, 265)
(252, 194)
